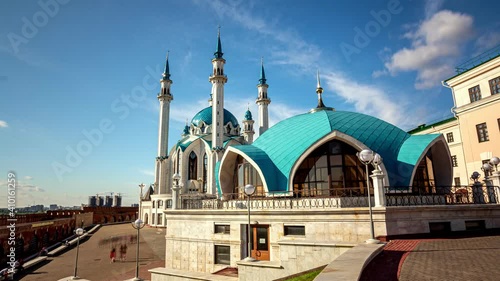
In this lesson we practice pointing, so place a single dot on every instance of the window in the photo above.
(222, 254)
(474, 93)
(192, 166)
(205, 168)
(457, 181)
(298, 230)
(495, 85)
(454, 161)
(222, 228)
(169, 204)
(449, 137)
(482, 132)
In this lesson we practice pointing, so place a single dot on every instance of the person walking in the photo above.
(123, 252)
(112, 255)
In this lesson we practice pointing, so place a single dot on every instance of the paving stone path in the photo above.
(93, 259)
(463, 259)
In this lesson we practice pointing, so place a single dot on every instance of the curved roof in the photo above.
(205, 115)
(286, 141)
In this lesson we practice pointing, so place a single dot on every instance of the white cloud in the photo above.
(367, 98)
(28, 178)
(3, 124)
(436, 44)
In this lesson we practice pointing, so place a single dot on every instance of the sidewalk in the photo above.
(93, 259)
(439, 259)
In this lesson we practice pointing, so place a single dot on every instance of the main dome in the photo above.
(205, 115)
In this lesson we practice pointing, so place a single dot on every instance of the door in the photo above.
(260, 242)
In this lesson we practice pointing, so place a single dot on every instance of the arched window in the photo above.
(246, 174)
(192, 166)
(205, 169)
(177, 161)
(332, 169)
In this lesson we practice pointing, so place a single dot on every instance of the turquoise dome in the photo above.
(248, 115)
(205, 115)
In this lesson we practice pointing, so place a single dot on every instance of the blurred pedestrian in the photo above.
(112, 254)
(123, 252)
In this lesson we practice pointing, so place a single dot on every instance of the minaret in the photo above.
(263, 101)
(248, 131)
(165, 97)
(218, 79)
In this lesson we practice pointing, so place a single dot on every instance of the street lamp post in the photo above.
(249, 191)
(138, 224)
(140, 200)
(78, 232)
(368, 157)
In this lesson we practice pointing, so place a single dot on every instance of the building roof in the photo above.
(424, 127)
(279, 148)
(476, 61)
(205, 115)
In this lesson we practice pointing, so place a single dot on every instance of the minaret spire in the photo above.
(262, 79)
(166, 72)
(218, 53)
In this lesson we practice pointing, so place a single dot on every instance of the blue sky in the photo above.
(79, 79)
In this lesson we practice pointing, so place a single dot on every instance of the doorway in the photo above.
(260, 242)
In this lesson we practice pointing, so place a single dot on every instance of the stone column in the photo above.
(378, 188)
(175, 195)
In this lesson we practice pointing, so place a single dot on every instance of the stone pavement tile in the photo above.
(454, 260)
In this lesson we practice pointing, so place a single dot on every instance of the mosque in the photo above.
(311, 187)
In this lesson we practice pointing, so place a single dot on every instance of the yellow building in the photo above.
(476, 96)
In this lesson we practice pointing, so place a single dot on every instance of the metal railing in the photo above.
(477, 60)
(300, 199)
(441, 195)
(346, 198)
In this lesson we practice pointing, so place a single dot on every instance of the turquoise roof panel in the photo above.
(414, 146)
(205, 115)
(286, 141)
(272, 175)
